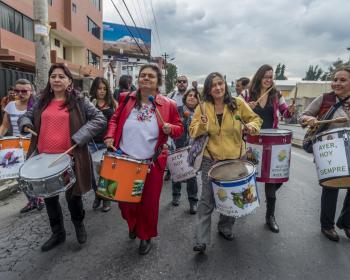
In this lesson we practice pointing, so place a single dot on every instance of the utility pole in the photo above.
(42, 43)
(165, 56)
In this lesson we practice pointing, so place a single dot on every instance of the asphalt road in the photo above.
(299, 251)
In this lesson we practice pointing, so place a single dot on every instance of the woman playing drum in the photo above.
(62, 118)
(225, 142)
(266, 101)
(315, 111)
(140, 128)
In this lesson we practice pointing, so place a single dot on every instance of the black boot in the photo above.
(145, 247)
(80, 231)
(270, 214)
(58, 236)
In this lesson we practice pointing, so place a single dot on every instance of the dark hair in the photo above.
(11, 88)
(244, 81)
(94, 87)
(255, 85)
(159, 81)
(124, 82)
(196, 95)
(47, 94)
(228, 99)
(24, 82)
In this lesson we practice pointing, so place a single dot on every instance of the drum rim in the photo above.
(14, 137)
(288, 132)
(70, 166)
(142, 161)
(331, 131)
(227, 161)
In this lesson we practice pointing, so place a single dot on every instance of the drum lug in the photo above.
(260, 140)
(284, 140)
(114, 164)
(138, 169)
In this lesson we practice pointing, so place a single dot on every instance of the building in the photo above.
(75, 39)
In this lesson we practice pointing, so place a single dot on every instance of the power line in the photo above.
(127, 27)
(135, 24)
(155, 21)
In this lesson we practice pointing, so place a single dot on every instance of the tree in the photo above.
(313, 73)
(327, 76)
(279, 72)
(170, 77)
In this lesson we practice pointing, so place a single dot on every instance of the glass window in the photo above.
(28, 28)
(74, 8)
(18, 23)
(93, 59)
(94, 29)
(96, 4)
(49, 2)
(7, 18)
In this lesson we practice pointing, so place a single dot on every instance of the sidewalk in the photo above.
(7, 187)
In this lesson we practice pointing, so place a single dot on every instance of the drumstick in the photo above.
(31, 131)
(336, 120)
(238, 118)
(295, 95)
(265, 93)
(151, 98)
(62, 155)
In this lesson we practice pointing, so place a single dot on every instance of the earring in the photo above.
(69, 89)
(51, 91)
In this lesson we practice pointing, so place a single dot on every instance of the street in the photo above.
(299, 251)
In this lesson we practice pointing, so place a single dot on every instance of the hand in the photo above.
(248, 129)
(109, 142)
(252, 104)
(291, 109)
(166, 129)
(310, 121)
(204, 119)
(26, 128)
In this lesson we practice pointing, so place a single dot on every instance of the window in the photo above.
(96, 4)
(15, 22)
(74, 8)
(49, 2)
(28, 28)
(94, 29)
(93, 59)
(57, 43)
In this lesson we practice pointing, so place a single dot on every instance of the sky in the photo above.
(236, 37)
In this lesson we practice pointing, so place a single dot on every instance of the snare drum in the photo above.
(270, 151)
(42, 181)
(332, 157)
(122, 178)
(234, 187)
(178, 165)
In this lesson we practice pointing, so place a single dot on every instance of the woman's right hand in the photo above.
(204, 119)
(252, 104)
(109, 142)
(311, 121)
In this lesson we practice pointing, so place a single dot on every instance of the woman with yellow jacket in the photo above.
(225, 142)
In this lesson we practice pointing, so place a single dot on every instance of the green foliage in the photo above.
(313, 73)
(327, 76)
(171, 77)
(279, 72)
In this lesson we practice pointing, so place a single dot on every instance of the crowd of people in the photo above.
(143, 124)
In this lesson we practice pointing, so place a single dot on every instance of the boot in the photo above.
(270, 215)
(80, 231)
(58, 236)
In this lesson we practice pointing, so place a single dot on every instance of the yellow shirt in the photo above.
(225, 141)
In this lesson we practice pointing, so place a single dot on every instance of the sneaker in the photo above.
(106, 205)
(96, 203)
(40, 204)
(29, 207)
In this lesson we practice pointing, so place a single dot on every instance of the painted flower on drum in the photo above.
(222, 195)
(282, 155)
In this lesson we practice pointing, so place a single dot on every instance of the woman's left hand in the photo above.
(166, 128)
(248, 129)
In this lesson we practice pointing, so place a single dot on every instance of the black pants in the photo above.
(54, 211)
(328, 208)
(192, 190)
(270, 194)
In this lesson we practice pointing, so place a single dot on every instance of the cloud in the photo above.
(237, 37)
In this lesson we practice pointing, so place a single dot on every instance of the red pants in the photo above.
(143, 217)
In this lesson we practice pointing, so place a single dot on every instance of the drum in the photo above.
(332, 157)
(234, 187)
(96, 160)
(270, 151)
(12, 155)
(122, 178)
(42, 181)
(16, 142)
(178, 165)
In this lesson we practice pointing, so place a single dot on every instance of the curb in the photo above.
(7, 188)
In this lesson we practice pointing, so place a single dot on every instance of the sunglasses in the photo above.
(21, 90)
(182, 81)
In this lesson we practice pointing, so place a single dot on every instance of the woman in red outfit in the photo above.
(138, 132)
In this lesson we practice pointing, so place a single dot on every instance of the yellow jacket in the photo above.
(225, 142)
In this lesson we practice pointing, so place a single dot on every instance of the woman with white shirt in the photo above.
(138, 131)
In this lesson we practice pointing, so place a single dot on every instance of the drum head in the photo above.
(37, 166)
(97, 156)
(275, 132)
(231, 170)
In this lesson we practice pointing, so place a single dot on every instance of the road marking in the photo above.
(308, 158)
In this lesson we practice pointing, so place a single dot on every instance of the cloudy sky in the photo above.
(235, 37)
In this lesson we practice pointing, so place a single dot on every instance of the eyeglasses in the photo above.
(182, 82)
(21, 90)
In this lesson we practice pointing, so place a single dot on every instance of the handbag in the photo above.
(313, 131)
